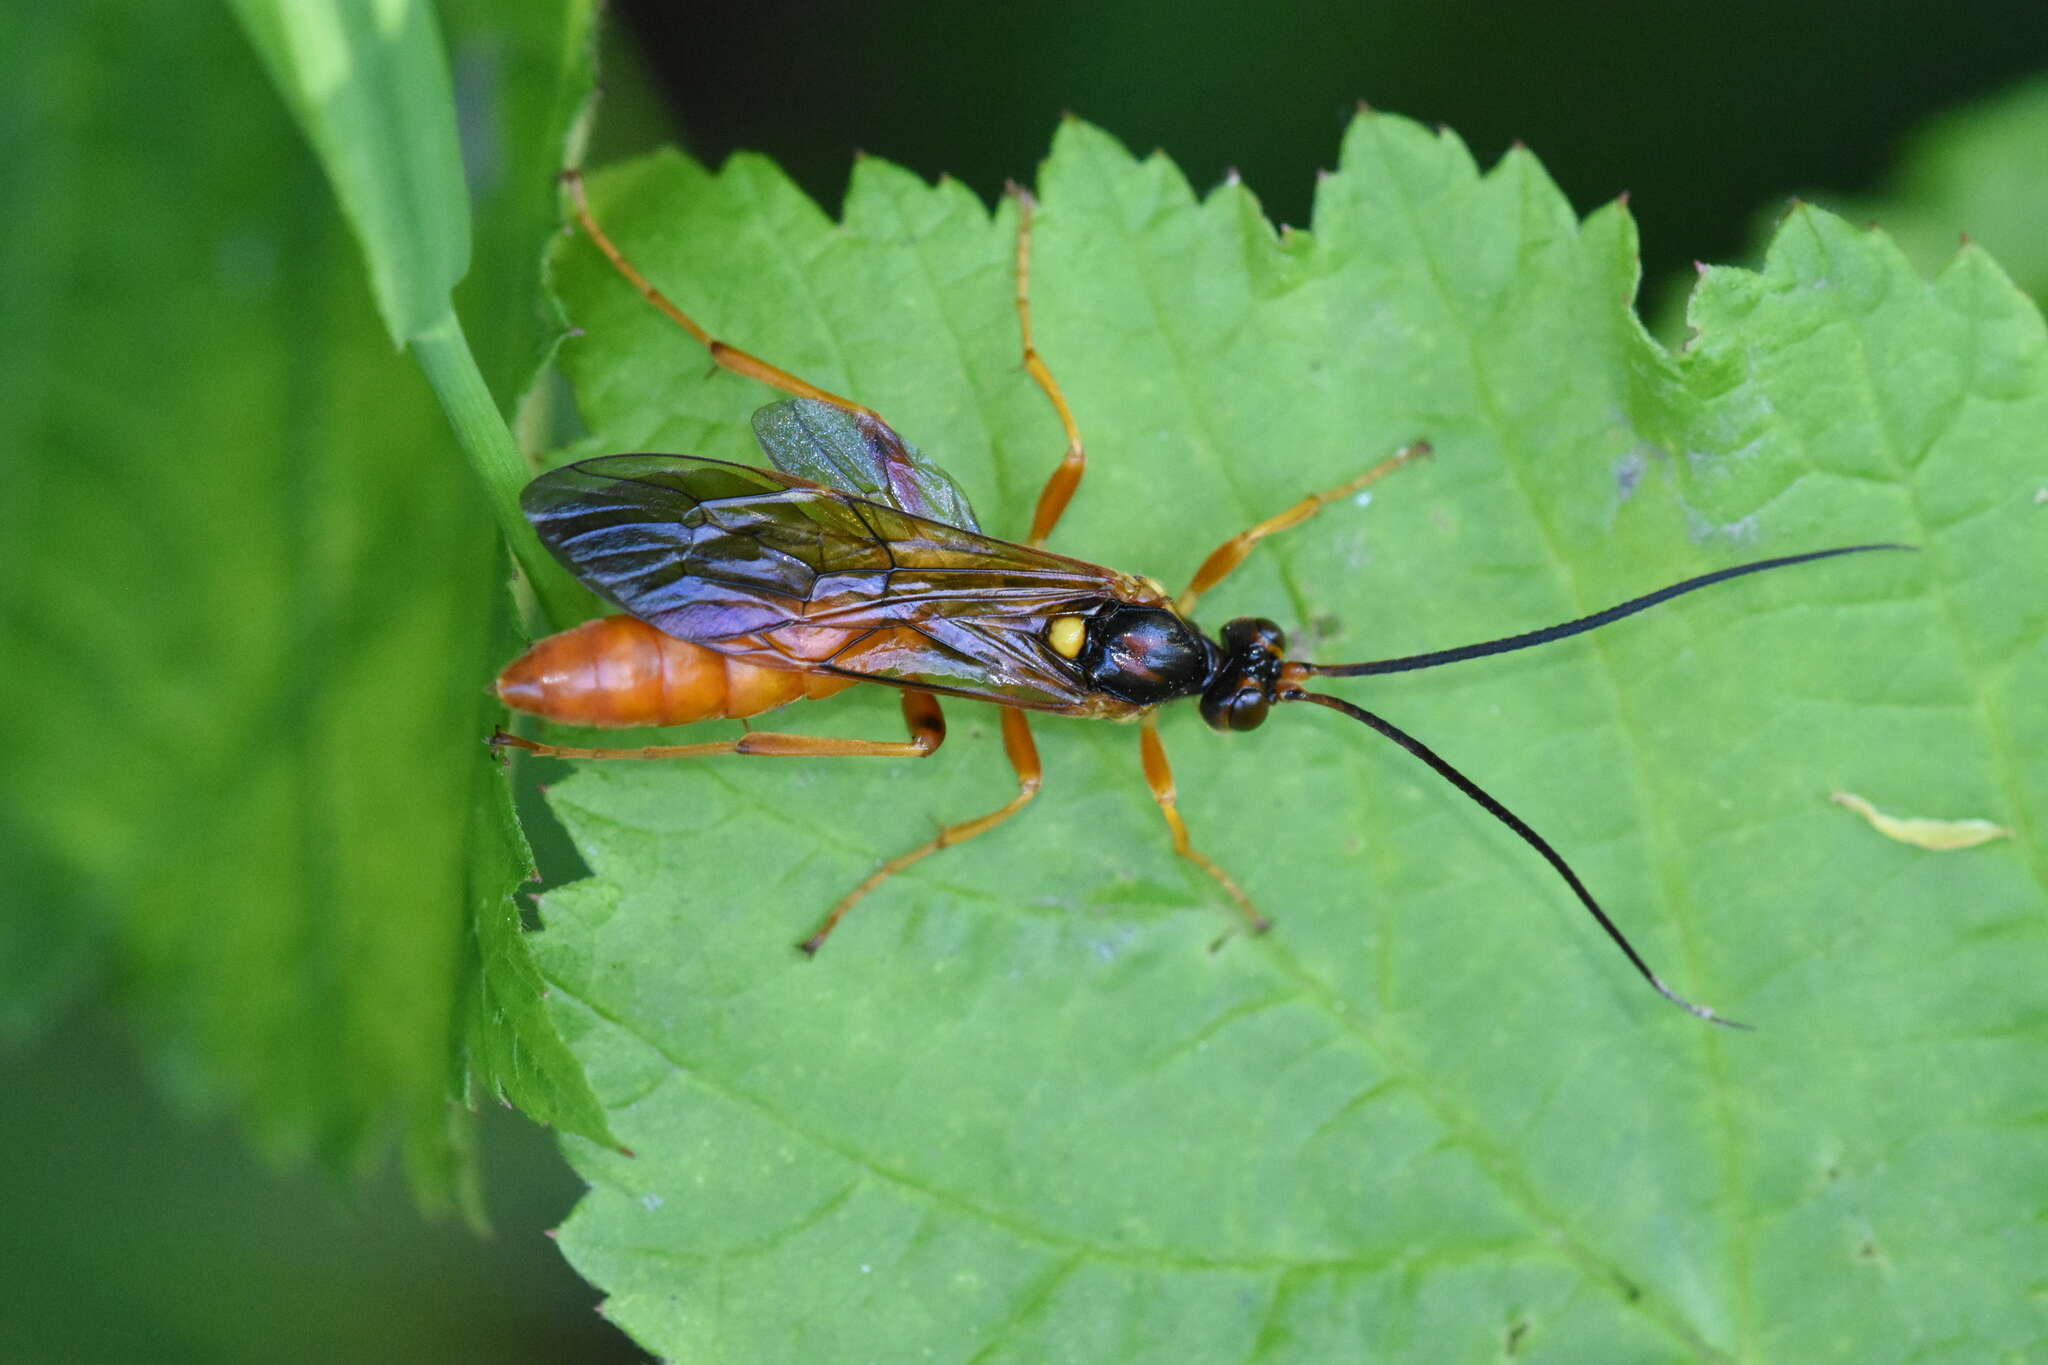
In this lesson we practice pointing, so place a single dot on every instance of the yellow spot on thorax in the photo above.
(1066, 634)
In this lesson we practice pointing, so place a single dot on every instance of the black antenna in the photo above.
(1506, 644)
(1528, 836)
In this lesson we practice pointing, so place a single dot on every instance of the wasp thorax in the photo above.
(1248, 679)
(1144, 655)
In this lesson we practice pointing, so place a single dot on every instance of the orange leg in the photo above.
(1232, 552)
(921, 715)
(927, 727)
(1066, 476)
(1023, 755)
(1159, 777)
(730, 357)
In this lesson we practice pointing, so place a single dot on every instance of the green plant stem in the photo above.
(443, 352)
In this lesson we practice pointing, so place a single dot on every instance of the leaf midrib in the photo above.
(1516, 458)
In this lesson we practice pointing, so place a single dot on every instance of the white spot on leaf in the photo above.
(1941, 836)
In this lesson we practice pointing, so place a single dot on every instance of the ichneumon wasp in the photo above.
(857, 559)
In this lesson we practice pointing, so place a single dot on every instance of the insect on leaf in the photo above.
(858, 454)
(1024, 1107)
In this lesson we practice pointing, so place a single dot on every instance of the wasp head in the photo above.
(1247, 679)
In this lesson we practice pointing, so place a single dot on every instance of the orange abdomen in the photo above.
(618, 671)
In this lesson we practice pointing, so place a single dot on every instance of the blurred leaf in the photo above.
(1022, 1109)
(372, 91)
(522, 74)
(52, 935)
(261, 602)
(138, 1236)
(369, 85)
(1971, 174)
(1976, 171)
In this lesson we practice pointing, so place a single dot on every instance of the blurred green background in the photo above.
(140, 1232)
(1703, 114)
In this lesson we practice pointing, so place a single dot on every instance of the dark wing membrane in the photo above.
(785, 573)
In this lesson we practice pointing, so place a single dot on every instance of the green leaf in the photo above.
(1038, 1098)
(511, 1049)
(367, 80)
(522, 75)
(250, 607)
(370, 85)
(52, 934)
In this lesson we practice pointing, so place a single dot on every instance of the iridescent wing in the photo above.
(857, 452)
(786, 573)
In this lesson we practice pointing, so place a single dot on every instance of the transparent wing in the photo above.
(858, 453)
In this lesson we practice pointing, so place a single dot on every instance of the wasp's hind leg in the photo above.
(1023, 755)
(729, 357)
(920, 715)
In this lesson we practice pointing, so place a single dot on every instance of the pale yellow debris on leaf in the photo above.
(1942, 836)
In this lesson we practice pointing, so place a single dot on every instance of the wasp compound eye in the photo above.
(1238, 705)
(1253, 635)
